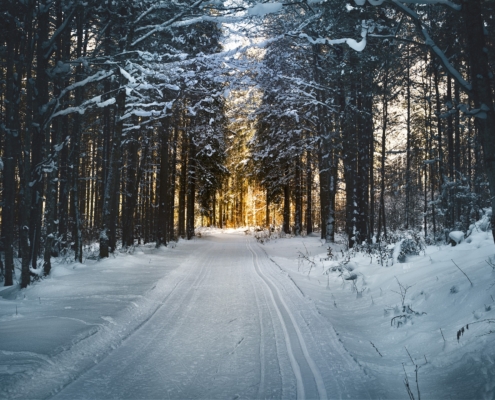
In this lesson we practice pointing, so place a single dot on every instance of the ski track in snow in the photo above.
(227, 324)
(296, 364)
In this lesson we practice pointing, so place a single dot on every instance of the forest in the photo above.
(124, 122)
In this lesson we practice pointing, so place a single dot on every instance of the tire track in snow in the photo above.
(342, 364)
(261, 387)
(73, 363)
(179, 302)
(294, 345)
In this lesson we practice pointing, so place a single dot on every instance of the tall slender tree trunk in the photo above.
(39, 136)
(161, 237)
(267, 209)
(482, 87)
(25, 168)
(350, 155)
(458, 174)
(286, 225)
(173, 175)
(408, 142)
(134, 174)
(112, 181)
(450, 142)
(11, 134)
(381, 214)
(309, 190)
(298, 198)
(182, 187)
(191, 189)
(76, 147)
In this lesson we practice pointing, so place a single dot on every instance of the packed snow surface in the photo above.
(227, 317)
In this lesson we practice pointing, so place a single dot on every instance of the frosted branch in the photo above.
(431, 2)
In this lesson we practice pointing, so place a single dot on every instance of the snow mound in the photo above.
(456, 236)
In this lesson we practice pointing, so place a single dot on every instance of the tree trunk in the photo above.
(111, 194)
(381, 214)
(482, 95)
(133, 178)
(25, 168)
(76, 148)
(408, 143)
(286, 225)
(309, 200)
(182, 187)
(10, 134)
(298, 198)
(173, 174)
(191, 190)
(161, 237)
(350, 155)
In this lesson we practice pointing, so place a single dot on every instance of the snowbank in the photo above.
(422, 313)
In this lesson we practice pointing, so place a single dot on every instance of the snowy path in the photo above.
(231, 325)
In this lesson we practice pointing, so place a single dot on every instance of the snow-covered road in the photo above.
(233, 326)
(223, 317)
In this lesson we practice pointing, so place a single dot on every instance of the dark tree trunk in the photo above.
(182, 187)
(408, 143)
(286, 226)
(298, 198)
(450, 142)
(458, 174)
(173, 175)
(25, 168)
(482, 95)
(381, 213)
(191, 190)
(267, 209)
(39, 141)
(309, 189)
(365, 141)
(161, 237)
(112, 181)
(76, 148)
(10, 134)
(350, 155)
(132, 182)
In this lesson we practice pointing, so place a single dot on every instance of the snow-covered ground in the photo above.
(223, 316)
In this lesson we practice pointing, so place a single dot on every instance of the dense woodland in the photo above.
(126, 122)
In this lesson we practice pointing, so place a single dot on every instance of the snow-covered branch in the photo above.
(447, 3)
(401, 5)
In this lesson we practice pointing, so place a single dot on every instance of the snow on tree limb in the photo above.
(432, 45)
(352, 43)
(431, 2)
(428, 40)
(458, 77)
(261, 9)
(50, 44)
(100, 75)
(93, 78)
(161, 27)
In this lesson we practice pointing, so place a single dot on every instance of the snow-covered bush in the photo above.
(456, 237)
(408, 247)
(483, 225)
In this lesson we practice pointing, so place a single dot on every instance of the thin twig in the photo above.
(417, 383)
(406, 384)
(410, 355)
(376, 349)
(462, 272)
(442, 335)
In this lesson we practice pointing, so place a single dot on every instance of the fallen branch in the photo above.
(376, 349)
(462, 272)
